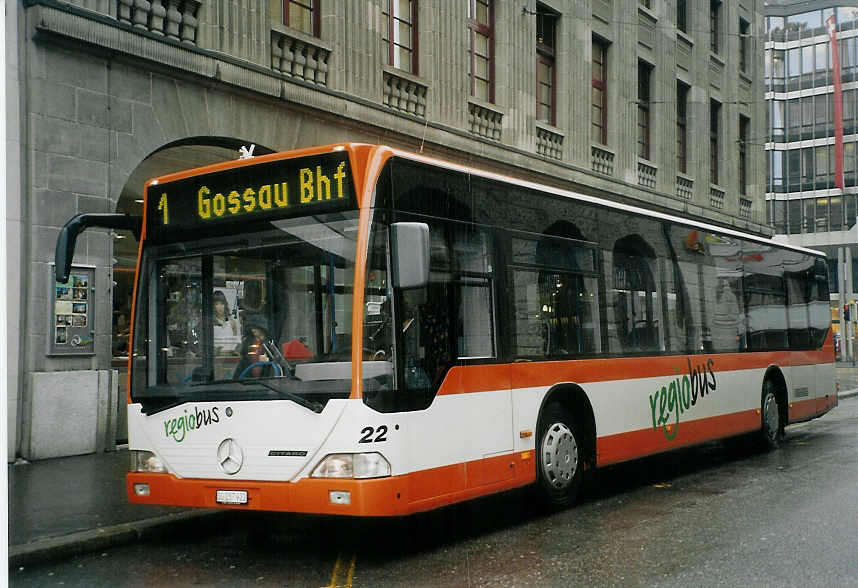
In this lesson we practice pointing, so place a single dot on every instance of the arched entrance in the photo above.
(176, 156)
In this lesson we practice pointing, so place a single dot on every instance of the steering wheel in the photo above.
(277, 370)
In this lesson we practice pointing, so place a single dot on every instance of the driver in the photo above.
(253, 351)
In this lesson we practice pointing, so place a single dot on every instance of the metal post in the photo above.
(849, 297)
(841, 301)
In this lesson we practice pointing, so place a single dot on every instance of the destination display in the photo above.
(267, 191)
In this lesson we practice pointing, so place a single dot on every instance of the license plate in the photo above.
(231, 497)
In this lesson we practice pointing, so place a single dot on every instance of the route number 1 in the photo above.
(162, 205)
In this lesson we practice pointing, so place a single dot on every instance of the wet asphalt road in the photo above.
(721, 514)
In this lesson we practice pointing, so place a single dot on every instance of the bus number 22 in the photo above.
(369, 431)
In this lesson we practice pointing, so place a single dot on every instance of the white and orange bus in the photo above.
(358, 330)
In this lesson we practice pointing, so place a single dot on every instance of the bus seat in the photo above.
(296, 350)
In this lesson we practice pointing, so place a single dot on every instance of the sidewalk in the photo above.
(72, 505)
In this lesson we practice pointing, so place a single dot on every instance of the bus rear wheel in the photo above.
(772, 432)
(559, 456)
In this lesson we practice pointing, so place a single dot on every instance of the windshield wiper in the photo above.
(306, 403)
(160, 398)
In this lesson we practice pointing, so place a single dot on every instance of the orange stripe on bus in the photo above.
(485, 378)
(632, 445)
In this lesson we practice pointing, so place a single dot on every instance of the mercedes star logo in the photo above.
(230, 457)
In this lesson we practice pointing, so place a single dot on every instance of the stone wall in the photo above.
(106, 86)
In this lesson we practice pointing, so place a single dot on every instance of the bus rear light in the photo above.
(146, 461)
(141, 489)
(352, 465)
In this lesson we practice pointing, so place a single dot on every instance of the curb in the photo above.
(65, 546)
(847, 394)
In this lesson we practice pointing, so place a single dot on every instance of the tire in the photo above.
(772, 429)
(559, 460)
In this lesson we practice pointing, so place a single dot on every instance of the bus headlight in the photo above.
(352, 465)
(146, 461)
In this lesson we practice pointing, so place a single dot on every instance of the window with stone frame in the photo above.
(481, 49)
(744, 125)
(681, 127)
(546, 92)
(714, 139)
(744, 41)
(715, 26)
(599, 93)
(644, 115)
(303, 15)
(400, 34)
(682, 15)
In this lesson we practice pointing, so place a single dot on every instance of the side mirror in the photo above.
(68, 236)
(410, 255)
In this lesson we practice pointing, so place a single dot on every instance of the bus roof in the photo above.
(600, 201)
(352, 148)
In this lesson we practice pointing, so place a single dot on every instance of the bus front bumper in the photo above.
(348, 497)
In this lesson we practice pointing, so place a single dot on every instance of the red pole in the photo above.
(838, 104)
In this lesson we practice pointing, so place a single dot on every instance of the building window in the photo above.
(645, 3)
(481, 49)
(714, 25)
(744, 41)
(599, 93)
(778, 118)
(400, 40)
(793, 68)
(682, 15)
(546, 29)
(778, 71)
(681, 127)
(644, 75)
(744, 125)
(820, 78)
(714, 139)
(775, 26)
(303, 15)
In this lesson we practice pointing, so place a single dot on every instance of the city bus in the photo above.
(359, 330)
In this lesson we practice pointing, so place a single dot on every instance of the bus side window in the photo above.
(473, 269)
(798, 267)
(765, 297)
(636, 302)
(728, 313)
(692, 271)
(820, 312)
(555, 301)
(453, 316)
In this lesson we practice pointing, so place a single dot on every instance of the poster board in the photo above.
(71, 312)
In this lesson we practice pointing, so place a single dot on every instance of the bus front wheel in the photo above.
(772, 432)
(559, 456)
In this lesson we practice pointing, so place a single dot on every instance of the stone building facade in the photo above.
(610, 97)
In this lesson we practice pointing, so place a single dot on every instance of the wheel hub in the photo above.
(559, 455)
(771, 419)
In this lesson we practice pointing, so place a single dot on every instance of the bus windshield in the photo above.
(250, 316)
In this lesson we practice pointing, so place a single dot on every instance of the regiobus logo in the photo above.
(678, 397)
(178, 428)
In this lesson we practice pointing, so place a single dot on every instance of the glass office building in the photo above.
(805, 202)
